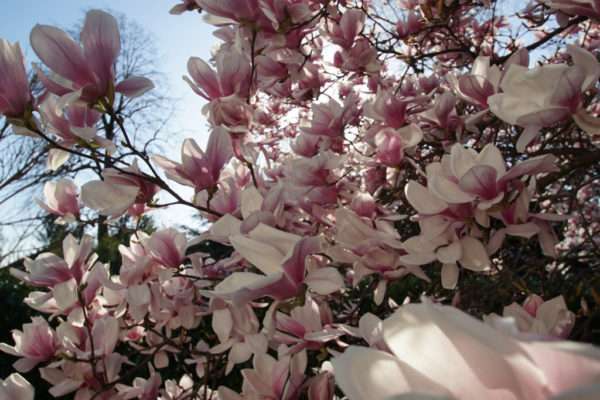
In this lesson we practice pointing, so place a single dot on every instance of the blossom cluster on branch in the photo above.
(378, 174)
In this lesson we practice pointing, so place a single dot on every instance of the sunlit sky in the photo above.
(176, 38)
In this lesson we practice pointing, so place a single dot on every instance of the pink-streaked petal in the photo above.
(480, 180)
(204, 78)
(134, 86)
(60, 53)
(101, 44)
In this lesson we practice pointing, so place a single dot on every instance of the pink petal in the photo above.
(480, 180)
(101, 44)
(61, 54)
(219, 151)
(205, 77)
(134, 86)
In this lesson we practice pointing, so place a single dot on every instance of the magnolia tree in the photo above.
(405, 196)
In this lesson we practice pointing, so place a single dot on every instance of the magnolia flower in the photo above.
(198, 169)
(270, 378)
(61, 199)
(329, 119)
(465, 176)
(480, 84)
(442, 115)
(313, 180)
(281, 257)
(49, 270)
(36, 343)
(71, 125)
(15, 387)
(237, 329)
(542, 96)
(389, 109)
(15, 97)
(67, 377)
(118, 191)
(391, 143)
(167, 247)
(371, 251)
(350, 25)
(449, 250)
(549, 318)
(521, 223)
(232, 76)
(142, 388)
(304, 328)
(361, 57)
(441, 351)
(87, 72)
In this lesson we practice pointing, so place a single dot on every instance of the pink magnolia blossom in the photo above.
(199, 169)
(304, 328)
(541, 97)
(281, 257)
(442, 117)
(329, 119)
(37, 343)
(15, 387)
(480, 84)
(118, 191)
(549, 318)
(370, 250)
(232, 76)
(15, 97)
(270, 378)
(441, 351)
(344, 32)
(68, 377)
(61, 199)
(465, 176)
(48, 270)
(86, 70)
(237, 329)
(361, 57)
(391, 144)
(313, 180)
(142, 388)
(72, 125)
(167, 247)
(521, 223)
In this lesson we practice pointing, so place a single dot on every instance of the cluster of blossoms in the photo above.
(336, 172)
